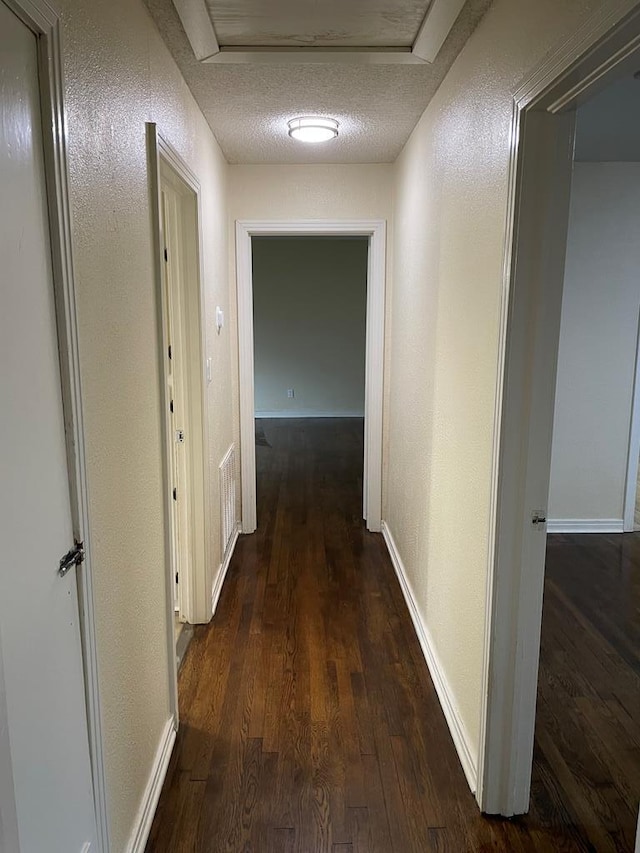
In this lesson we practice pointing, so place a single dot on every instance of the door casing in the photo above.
(45, 23)
(196, 603)
(605, 47)
(633, 455)
(375, 230)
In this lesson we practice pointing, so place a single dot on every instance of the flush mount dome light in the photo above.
(313, 128)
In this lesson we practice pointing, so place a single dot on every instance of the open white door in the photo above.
(175, 377)
(181, 302)
(46, 719)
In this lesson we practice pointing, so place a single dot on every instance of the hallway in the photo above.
(308, 718)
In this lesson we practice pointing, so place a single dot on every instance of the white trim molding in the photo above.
(308, 413)
(457, 728)
(439, 18)
(196, 22)
(633, 456)
(585, 525)
(375, 230)
(218, 581)
(153, 789)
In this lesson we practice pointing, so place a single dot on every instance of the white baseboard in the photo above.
(147, 810)
(438, 676)
(585, 525)
(309, 413)
(216, 587)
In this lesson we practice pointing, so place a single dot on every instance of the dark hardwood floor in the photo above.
(308, 719)
(586, 773)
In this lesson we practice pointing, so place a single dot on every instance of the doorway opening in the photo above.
(309, 321)
(543, 223)
(183, 380)
(374, 233)
(589, 671)
(594, 458)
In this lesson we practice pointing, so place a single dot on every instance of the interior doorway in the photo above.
(594, 457)
(544, 133)
(374, 232)
(587, 729)
(183, 379)
(309, 321)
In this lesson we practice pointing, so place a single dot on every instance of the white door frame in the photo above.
(539, 188)
(633, 456)
(44, 22)
(375, 230)
(195, 602)
(9, 839)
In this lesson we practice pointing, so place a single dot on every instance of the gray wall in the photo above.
(309, 308)
(608, 125)
(596, 360)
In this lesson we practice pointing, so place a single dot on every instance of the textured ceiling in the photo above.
(247, 105)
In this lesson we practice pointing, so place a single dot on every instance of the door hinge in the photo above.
(538, 517)
(175, 494)
(72, 558)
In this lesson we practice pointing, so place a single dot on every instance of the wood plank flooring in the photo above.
(309, 722)
(586, 773)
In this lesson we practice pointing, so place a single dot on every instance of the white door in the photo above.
(175, 373)
(39, 631)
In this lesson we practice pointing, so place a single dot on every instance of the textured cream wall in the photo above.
(598, 336)
(310, 192)
(307, 192)
(119, 75)
(449, 232)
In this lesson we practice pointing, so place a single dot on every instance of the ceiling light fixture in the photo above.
(313, 128)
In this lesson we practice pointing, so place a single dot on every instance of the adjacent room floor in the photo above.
(587, 752)
(308, 718)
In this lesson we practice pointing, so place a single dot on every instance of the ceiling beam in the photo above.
(303, 55)
(436, 26)
(198, 28)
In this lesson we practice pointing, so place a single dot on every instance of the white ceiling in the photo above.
(247, 104)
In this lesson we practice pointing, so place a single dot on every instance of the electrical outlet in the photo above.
(290, 393)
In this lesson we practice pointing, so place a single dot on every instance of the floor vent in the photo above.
(227, 499)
